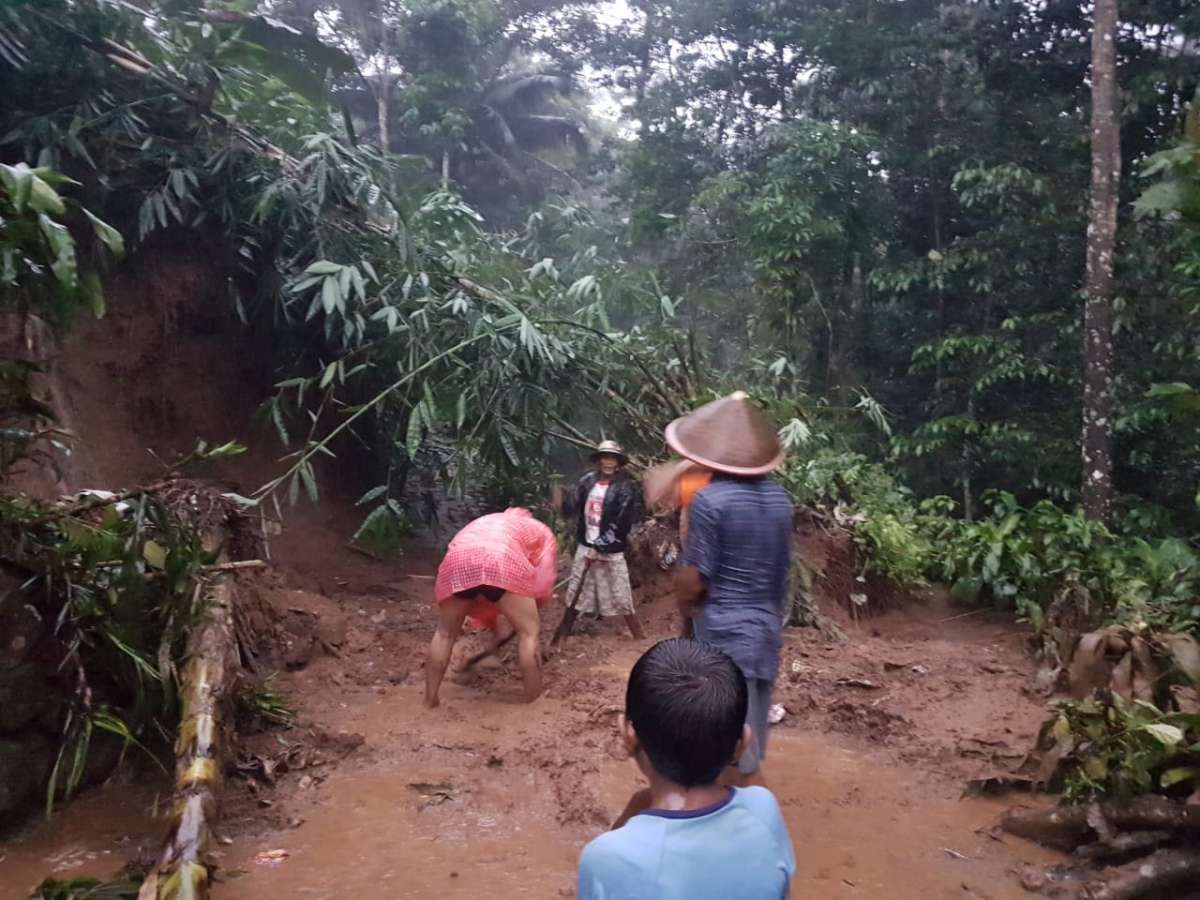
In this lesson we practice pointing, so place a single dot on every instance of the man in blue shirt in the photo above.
(733, 574)
(685, 710)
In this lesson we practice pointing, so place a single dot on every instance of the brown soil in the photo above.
(372, 796)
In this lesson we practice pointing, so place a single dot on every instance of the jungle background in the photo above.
(427, 251)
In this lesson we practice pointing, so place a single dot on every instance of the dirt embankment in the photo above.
(170, 364)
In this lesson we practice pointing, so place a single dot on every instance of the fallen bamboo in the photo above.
(184, 869)
(215, 567)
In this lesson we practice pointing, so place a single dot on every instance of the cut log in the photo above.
(203, 743)
(1067, 827)
(1158, 874)
(1124, 845)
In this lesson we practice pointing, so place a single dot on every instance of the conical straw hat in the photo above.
(729, 435)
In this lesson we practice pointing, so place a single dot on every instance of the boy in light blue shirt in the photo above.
(684, 723)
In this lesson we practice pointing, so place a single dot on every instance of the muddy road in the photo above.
(372, 796)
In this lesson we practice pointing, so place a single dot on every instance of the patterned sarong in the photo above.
(606, 590)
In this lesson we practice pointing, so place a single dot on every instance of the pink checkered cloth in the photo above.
(510, 550)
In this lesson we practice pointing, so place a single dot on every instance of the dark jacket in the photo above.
(622, 510)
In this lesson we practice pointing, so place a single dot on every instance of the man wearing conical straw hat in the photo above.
(733, 573)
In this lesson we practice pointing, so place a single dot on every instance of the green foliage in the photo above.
(1019, 557)
(921, 238)
(892, 263)
(1156, 583)
(461, 84)
(895, 533)
(39, 269)
(383, 529)
(117, 578)
(40, 273)
(262, 702)
(1111, 747)
(1016, 557)
(808, 244)
(86, 889)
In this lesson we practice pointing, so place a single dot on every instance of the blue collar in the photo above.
(690, 813)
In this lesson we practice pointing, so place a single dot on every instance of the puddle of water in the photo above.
(95, 835)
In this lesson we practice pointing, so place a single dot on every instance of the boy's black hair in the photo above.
(687, 704)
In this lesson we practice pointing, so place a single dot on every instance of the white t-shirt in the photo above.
(593, 511)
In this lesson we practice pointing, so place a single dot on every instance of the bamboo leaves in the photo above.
(310, 481)
(115, 572)
(62, 246)
(421, 418)
(38, 256)
(302, 475)
(85, 888)
(334, 287)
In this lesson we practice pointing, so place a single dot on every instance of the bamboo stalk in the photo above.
(233, 566)
(184, 870)
(271, 486)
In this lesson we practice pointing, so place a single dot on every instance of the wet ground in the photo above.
(372, 796)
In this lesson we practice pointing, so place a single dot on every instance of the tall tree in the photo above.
(1098, 387)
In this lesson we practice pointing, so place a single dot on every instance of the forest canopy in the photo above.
(486, 231)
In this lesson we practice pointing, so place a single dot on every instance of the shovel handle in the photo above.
(568, 619)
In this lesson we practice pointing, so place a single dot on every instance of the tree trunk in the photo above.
(205, 727)
(1163, 871)
(1098, 394)
(383, 101)
(1068, 827)
(383, 98)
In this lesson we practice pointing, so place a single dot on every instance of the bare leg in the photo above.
(450, 619)
(522, 612)
(635, 627)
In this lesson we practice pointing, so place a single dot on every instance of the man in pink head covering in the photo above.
(503, 563)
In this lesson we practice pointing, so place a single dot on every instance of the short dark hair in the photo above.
(687, 704)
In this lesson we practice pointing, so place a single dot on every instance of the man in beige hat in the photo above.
(733, 572)
(606, 504)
